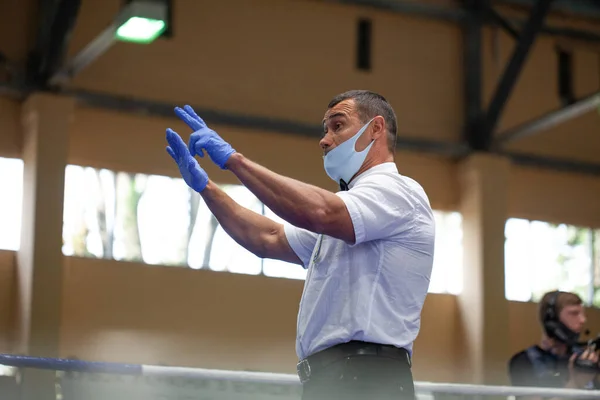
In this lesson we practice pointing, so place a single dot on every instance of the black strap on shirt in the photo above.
(343, 185)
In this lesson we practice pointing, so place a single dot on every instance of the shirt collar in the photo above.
(389, 167)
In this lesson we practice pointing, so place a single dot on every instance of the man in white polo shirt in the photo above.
(368, 248)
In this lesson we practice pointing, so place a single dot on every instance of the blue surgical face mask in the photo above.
(343, 162)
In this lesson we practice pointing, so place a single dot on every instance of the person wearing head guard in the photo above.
(560, 360)
(368, 248)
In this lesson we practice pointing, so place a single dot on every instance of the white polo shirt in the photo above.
(374, 290)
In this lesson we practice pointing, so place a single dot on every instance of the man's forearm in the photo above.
(299, 203)
(247, 228)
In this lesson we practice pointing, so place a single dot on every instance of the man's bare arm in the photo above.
(303, 205)
(258, 234)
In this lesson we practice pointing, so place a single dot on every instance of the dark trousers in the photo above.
(370, 375)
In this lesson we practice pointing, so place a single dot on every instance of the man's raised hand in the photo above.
(204, 138)
(191, 172)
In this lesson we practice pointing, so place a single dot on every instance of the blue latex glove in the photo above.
(204, 138)
(190, 170)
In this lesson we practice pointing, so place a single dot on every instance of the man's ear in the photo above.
(378, 127)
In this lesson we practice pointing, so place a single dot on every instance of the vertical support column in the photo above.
(45, 121)
(483, 307)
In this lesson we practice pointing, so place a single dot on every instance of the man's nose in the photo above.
(325, 142)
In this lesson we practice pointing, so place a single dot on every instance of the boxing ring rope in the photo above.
(69, 365)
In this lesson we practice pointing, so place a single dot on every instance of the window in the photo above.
(447, 274)
(11, 182)
(160, 221)
(540, 257)
(156, 220)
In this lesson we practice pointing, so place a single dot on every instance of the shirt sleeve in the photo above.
(301, 241)
(380, 208)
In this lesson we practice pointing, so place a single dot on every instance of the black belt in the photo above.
(312, 364)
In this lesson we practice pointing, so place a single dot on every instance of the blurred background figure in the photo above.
(559, 360)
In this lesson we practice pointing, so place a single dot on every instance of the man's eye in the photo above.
(337, 125)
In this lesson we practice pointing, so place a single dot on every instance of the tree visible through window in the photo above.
(540, 257)
(595, 250)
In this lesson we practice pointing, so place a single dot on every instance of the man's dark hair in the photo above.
(368, 105)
